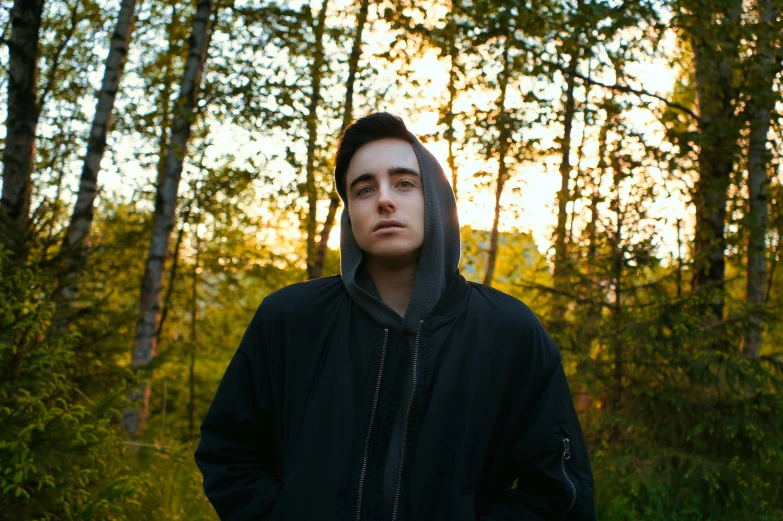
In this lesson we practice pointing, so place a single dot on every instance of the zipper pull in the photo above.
(566, 448)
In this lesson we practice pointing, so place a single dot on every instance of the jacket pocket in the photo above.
(568, 474)
(569, 469)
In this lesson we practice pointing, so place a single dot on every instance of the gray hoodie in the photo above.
(439, 254)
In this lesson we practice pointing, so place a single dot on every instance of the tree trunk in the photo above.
(503, 144)
(617, 315)
(166, 304)
(450, 116)
(76, 240)
(591, 229)
(591, 329)
(353, 64)
(21, 122)
(679, 259)
(145, 347)
(164, 99)
(715, 59)
(577, 194)
(316, 73)
(616, 341)
(334, 198)
(772, 265)
(494, 234)
(193, 341)
(760, 108)
(564, 195)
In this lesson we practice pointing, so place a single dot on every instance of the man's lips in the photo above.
(388, 224)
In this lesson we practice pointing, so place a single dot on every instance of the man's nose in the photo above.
(386, 199)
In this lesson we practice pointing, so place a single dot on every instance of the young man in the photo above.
(397, 390)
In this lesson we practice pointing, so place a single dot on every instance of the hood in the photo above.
(439, 254)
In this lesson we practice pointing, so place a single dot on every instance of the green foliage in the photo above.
(59, 457)
(173, 489)
(695, 435)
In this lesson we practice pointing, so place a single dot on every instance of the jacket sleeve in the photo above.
(237, 453)
(549, 459)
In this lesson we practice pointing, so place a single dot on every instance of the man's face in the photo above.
(386, 200)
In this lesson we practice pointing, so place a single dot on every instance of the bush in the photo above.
(59, 458)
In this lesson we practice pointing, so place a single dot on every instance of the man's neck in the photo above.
(394, 281)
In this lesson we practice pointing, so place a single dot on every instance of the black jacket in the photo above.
(301, 424)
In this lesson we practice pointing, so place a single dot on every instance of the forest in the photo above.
(618, 166)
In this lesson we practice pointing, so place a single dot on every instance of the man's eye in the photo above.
(406, 184)
(363, 191)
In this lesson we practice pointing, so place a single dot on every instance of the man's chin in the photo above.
(395, 257)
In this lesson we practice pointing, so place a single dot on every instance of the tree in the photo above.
(76, 239)
(165, 210)
(47, 426)
(503, 145)
(334, 198)
(448, 114)
(715, 50)
(311, 122)
(572, 47)
(760, 107)
(21, 122)
(582, 32)
(500, 129)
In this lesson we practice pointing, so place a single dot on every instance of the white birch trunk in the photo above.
(761, 105)
(145, 345)
(76, 240)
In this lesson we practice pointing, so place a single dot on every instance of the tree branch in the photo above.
(621, 88)
(639, 92)
(52, 73)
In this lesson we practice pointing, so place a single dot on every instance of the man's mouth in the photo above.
(388, 225)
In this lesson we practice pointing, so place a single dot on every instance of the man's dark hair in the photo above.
(378, 125)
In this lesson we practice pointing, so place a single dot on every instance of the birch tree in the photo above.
(760, 108)
(76, 239)
(145, 344)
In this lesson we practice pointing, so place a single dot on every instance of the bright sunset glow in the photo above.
(529, 197)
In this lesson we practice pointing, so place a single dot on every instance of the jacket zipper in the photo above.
(407, 417)
(369, 429)
(567, 455)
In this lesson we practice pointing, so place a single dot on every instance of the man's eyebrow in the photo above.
(360, 178)
(395, 170)
(402, 170)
